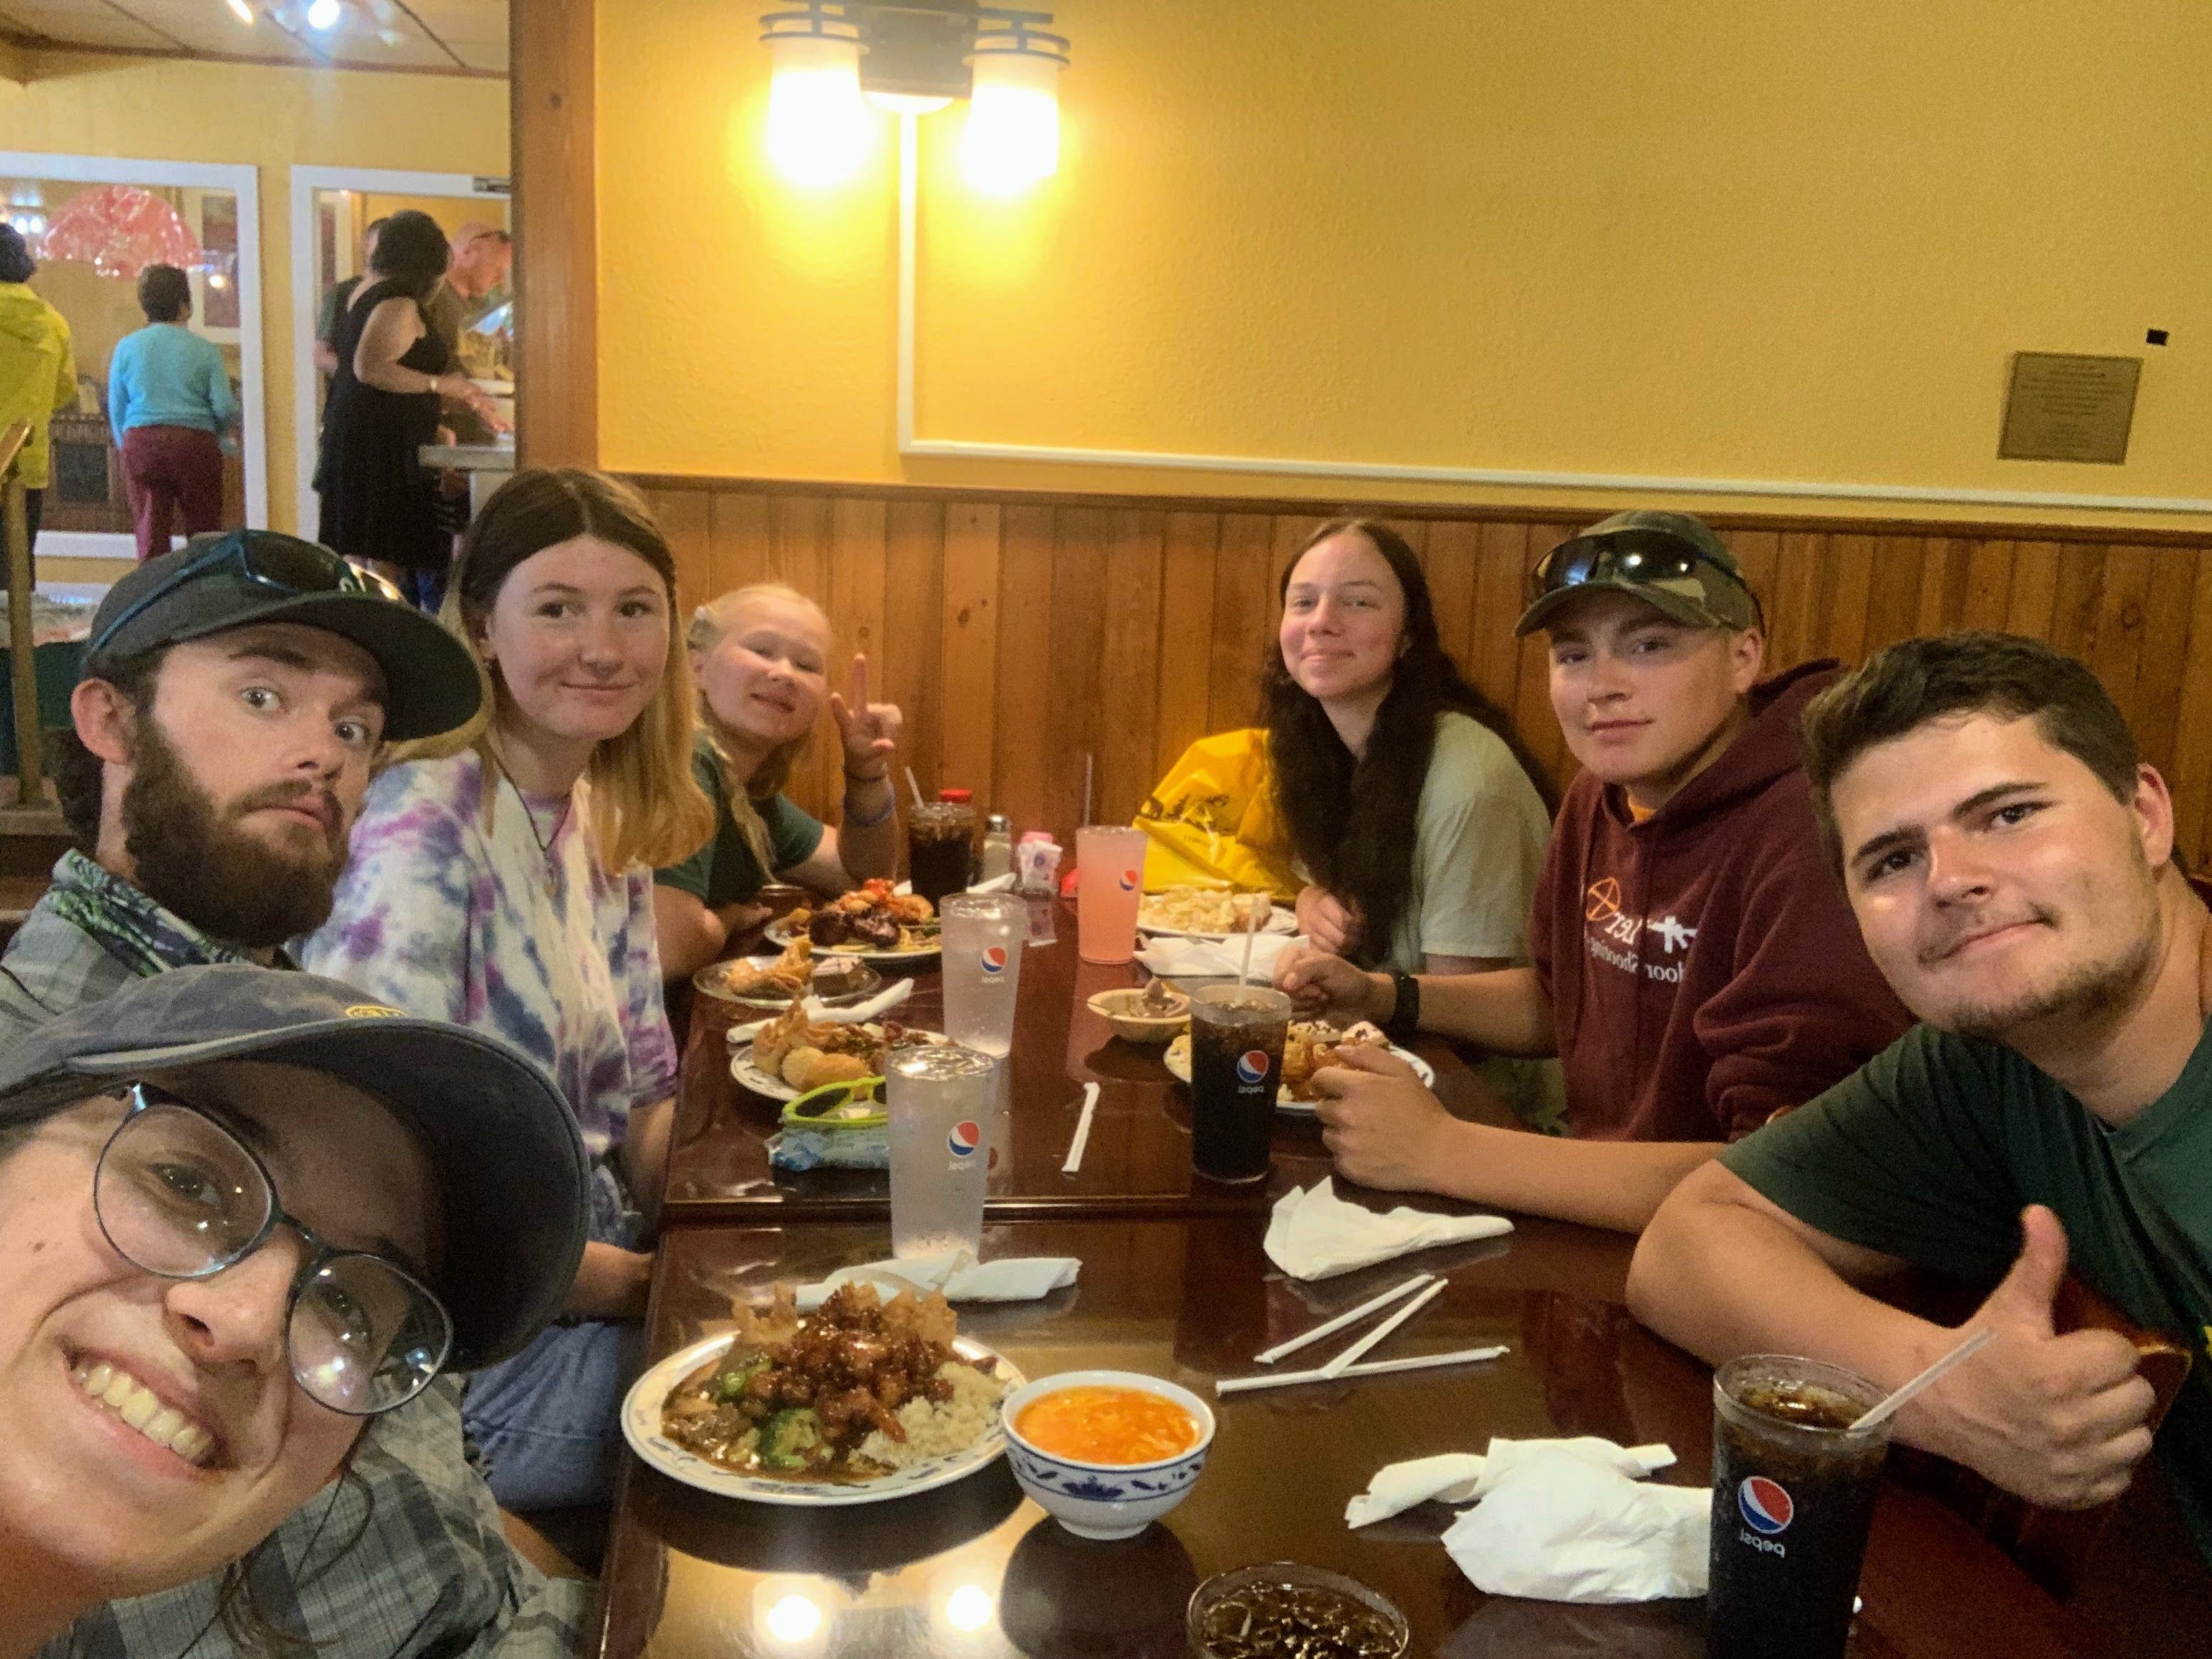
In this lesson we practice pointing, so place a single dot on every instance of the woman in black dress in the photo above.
(380, 504)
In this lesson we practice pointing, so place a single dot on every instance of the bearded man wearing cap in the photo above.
(233, 696)
(248, 1213)
(1695, 967)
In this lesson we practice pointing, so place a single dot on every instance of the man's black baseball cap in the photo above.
(215, 583)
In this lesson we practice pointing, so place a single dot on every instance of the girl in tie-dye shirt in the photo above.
(508, 888)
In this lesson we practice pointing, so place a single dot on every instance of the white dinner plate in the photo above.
(1279, 920)
(780, 933)
(640, 1422)
(1176, 1059)
(743, 1069)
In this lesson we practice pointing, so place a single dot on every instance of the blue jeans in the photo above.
(547, 1420)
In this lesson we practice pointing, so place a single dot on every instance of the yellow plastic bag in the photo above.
(1211, 821)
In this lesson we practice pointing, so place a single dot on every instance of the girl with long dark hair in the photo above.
(1418, 830)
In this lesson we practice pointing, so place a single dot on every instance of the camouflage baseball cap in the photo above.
(1670, 560)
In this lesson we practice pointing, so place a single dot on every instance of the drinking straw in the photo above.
(1086, 786)
(1342, 1363)
(1373, 1368)
(1251, 931)
(912, 785)
(1880, 1414)
(1082, 1131)
(1282, 1349)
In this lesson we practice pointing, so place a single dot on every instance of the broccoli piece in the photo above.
(787, 1437)
(729, 1386)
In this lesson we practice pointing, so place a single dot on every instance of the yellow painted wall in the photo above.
(274, 118)
(1745, 239)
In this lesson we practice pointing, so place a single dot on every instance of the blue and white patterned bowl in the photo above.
(1105, 1500)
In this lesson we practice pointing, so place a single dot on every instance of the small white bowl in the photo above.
(1105, 1500)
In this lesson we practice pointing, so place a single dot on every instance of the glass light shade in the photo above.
(241, 10)
(1013, 137)
(817, 127)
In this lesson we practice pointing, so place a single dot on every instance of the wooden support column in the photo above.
(553, 47)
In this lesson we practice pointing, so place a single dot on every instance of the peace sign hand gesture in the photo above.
(869, 731)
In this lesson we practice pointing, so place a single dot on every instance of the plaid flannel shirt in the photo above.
(403, 1558)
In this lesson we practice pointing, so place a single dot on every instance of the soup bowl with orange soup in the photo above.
(1106, 1452)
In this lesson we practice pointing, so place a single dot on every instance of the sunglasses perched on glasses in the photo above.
(180, 1196)
(1631, 556)
(282, 564)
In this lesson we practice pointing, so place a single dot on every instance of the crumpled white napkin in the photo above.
(1317, 1234)
(1563, 1528)
(958, 1274)
(1200, 958)
(1464, 1477)
(882, 1003)
(995, 884)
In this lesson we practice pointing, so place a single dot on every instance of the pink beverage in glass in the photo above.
(1109, 862)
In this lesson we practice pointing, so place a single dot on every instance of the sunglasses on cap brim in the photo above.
(1628, 558)
(283, 565)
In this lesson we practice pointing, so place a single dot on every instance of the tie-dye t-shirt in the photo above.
(449, 919)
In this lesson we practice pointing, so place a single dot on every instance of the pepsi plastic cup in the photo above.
(1236, 1034)
(1794, 1488)
(981, 940)
(939, 1098)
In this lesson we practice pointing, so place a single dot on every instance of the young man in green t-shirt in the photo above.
(2010, 865)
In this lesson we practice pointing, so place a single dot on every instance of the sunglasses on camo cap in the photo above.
(284, 564)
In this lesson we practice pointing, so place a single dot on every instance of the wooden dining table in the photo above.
(1176, 1283)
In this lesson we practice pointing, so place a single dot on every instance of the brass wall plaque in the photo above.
(2062, 407)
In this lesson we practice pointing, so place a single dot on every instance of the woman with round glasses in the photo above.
(244, 1213)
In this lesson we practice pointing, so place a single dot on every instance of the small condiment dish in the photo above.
(1105, 1500)
(1125, 1012)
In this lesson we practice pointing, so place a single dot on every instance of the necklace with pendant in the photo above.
(530, 817)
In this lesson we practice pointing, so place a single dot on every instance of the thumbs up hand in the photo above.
(2060, 1420)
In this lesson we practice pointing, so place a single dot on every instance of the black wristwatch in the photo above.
(1406, 1015)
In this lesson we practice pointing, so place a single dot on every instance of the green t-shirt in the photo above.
(725, 871)
(1932, 1150)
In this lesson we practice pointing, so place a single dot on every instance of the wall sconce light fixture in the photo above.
(833, 57)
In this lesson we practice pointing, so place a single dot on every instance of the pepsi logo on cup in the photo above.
(1764, 1504)
(966, 1137)
(994, 961)
(1252, 1065)
(1128, 879)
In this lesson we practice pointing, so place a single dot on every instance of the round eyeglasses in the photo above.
(180, 1196)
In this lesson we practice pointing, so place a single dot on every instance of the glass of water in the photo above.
(939, 1098)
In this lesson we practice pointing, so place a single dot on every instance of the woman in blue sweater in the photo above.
(168, 396)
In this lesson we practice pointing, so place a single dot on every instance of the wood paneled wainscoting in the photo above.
(1021, 633)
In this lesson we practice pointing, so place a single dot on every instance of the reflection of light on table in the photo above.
(793, 1620)
(969, 1608)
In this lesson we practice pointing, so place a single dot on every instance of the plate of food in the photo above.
(772, 981)
(793, 1054)
(872, 922)
(1211, 912)
(1311, 1045)
(860, 1401)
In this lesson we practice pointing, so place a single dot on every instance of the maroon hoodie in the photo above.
(1703, 968)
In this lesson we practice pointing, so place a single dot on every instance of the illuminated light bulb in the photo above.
(969, 1608)
(793, 1620)
(323, 14)
(218, 282)
(817, 127)
(242, 11)
(1013, 137)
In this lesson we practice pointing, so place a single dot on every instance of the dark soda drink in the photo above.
(1794, 1489)
(940, 847)
(1236, 1035)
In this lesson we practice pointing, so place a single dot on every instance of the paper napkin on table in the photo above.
(1002, 883)
(1200, 959)
(1317, 1234)
(958, 1274)
(882, 1003)
(1560, 1520)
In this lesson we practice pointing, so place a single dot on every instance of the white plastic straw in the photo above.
(1082, 1131)
(1965, 1350)
(912, 785)
(1373, 1368)
(1343, 1362)
(1283, 1350)
(1251, 933)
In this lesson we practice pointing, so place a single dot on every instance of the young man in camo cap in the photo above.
(1695, 967)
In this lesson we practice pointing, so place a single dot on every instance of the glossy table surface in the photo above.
(1136, 1158)
(977, 1570)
